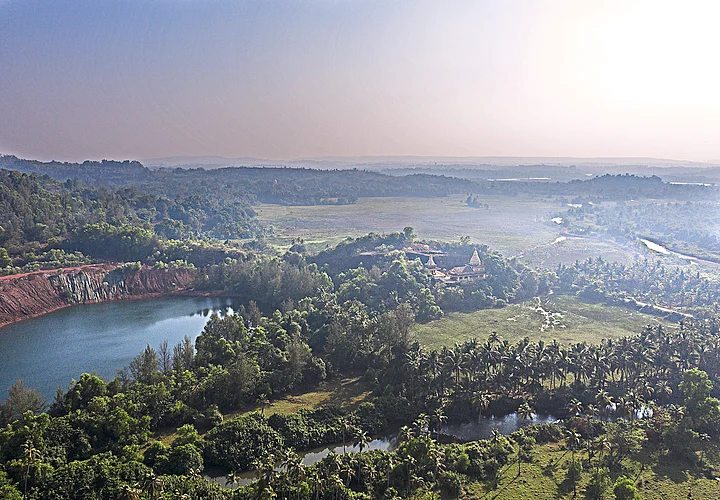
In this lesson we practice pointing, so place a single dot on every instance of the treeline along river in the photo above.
(49, 351)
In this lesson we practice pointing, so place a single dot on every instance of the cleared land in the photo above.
(545, 477)
(345, 393)
(511, 225)
(580, 322)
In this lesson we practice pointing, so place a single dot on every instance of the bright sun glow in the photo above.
(654, 56)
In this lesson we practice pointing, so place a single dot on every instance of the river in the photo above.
(50, 350)
(657, 248)
(470, 431)
(308, 458)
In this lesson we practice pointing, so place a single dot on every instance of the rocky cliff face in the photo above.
(27, 295)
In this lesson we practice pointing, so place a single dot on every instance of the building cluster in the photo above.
(471, 271)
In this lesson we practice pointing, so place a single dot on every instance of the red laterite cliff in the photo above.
(26, 295)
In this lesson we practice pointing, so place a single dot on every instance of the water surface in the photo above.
(483, 427)
(50, 350)
(309, 458)
(471, 431)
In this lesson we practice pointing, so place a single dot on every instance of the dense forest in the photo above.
(293, 186)
(46, 223)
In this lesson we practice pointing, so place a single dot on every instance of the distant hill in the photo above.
(475, 168)
(296, 185)
(207, 162)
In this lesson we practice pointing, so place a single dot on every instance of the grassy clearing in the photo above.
(568, 250)
(511, 225)
(345, 393)
(581, 322)
(545, 477)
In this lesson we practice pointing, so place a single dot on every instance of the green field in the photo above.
(580, 323)
(345, 393)
(511, 225)
(545, 477)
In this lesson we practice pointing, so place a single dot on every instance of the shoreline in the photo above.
(30, 295)
(158, 295)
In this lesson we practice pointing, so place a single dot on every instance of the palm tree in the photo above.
(389, 459)
(32, 456)
(437, 457)
(153, 485)
(337, 484)
(267, 492)
(440, 418)
(603, 400)
(525, 413)
(420, 426)
(292, 462)
(345, 428)
(232, 478)
(601, 444)
(405, 434)
(495, 441)
(360, 438)
(480, 400)
(634, 403)
(574, 443)
(409, 462)
(349, 463)
(265, 469)
(264, 402)
(575, 407)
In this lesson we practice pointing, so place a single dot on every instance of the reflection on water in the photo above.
(221, 310)
(483, 427)
(310, 457)
(472, 431)
(50, 350)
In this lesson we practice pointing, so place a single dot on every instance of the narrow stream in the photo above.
(310, 457)
(471, 431)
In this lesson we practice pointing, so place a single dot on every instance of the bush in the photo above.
(236, 444)
(450, 483)
(625, 489)
(182, 460)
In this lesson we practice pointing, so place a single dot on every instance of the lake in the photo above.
(49, 351)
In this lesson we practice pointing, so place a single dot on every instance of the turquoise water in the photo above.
(49, 351)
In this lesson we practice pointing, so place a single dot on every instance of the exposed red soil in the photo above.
(27, 295)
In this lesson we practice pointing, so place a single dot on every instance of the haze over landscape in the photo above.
(136, 79)
(349, 249)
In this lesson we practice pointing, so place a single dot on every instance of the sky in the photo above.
(127, 79)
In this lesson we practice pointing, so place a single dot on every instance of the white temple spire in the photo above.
(474, 260)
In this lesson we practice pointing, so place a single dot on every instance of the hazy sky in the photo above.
(280, 79)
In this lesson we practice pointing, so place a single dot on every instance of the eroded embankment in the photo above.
(33, 294)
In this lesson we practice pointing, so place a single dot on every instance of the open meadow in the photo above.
(515, 226)
(575, 321)
(546, 477)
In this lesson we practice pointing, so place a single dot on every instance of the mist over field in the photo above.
(359, 250)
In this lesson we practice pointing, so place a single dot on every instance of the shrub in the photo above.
(236, 444)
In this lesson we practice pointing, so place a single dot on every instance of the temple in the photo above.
(471, 271)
